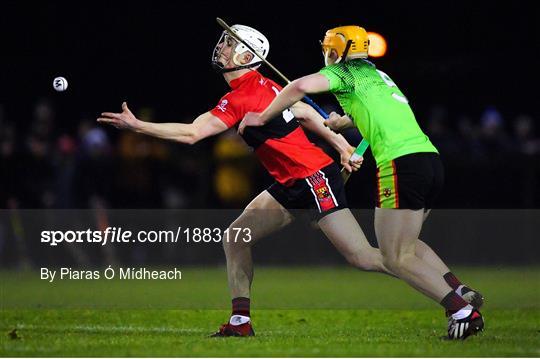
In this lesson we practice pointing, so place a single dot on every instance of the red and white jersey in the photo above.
(281, 145)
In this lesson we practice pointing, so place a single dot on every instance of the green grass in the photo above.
(296, 312)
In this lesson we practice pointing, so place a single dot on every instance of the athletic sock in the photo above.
(452, 302)
(240, 306)
(452, 280)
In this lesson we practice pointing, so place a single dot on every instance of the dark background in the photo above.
(468, 69)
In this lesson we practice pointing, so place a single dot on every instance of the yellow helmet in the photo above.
(349, 42)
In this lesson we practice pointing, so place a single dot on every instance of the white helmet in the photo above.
(252, 37)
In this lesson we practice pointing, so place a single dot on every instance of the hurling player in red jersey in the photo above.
(305, 176)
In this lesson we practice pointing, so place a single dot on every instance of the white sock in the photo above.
(463, 312)
(238, 320)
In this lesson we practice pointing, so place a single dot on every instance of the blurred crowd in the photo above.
(43, 165)
(487, 137)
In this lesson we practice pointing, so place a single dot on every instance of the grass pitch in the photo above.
(296, 312)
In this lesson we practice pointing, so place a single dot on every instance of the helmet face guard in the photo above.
(237, 49)
(224, 40)
(327, 50)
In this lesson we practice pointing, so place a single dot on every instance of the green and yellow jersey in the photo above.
(378, 108)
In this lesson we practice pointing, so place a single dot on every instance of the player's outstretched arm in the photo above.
(291, 94)
(312, 120)
(205, 125)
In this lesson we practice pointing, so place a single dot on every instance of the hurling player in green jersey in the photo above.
(409, 170)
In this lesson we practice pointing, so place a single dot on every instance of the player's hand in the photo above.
(350, 166)
(337, 122)
(123, 120)
(250, 119)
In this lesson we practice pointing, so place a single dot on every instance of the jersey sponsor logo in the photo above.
(222, 105)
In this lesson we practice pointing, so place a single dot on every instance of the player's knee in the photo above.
(395, 262)
(392, 261)
(365, 260)
(232, 245)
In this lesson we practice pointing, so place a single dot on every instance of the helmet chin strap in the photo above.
(327, 57)
(241, 67)
(221, 69)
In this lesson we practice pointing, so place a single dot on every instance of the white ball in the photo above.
(60, 84)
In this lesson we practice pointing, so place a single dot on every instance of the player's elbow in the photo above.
(193, 139)
(300, 86)
(299, 113)
(306, 121)
(189, 141)
(190, 138)
(304, 113)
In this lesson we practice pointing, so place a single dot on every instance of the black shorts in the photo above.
(410, 182)
(321, 193)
